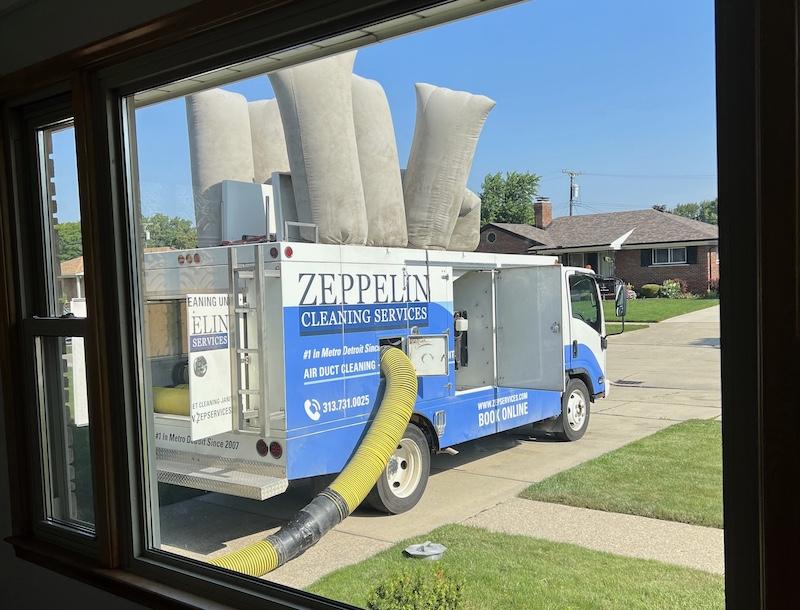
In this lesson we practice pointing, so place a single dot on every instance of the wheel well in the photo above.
(424, 424)
(584, 377)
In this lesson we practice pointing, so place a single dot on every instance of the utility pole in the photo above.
(574, 189)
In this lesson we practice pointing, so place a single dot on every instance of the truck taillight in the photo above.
(288, 251)
(180, 259)
(275, 450)
(273, 252)
(197, 258)
(261, 447)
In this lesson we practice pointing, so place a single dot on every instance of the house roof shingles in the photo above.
(649, 227)
(528, 231)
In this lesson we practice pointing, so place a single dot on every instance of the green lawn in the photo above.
(615, 327)
(508, 572)
(674, 474)
(655, 310)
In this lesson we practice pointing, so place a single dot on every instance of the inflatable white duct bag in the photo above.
(269, 144)
(445, 136)
(380, 167)
(467, 232)
(220, 148)
(316, 106)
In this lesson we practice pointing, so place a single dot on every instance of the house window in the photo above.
(491, 237)
(669, 256)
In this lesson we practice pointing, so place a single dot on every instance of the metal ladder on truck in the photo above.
(248, 364)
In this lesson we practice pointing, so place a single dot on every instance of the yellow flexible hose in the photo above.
(380, 442)
(171, 401)
(353, 483)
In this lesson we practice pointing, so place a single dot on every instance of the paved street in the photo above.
(663, 374)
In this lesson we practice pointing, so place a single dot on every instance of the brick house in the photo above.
(641, 246)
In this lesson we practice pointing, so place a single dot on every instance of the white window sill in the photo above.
(670, 265)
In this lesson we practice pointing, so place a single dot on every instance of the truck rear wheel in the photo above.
(406, 475)
(574, 419)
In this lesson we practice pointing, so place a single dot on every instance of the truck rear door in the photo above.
(530, 344)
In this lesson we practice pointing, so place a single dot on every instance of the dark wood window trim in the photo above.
(757, 111)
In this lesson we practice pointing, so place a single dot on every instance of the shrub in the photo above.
(418, 590)
(649, 291)
(672, 289)
(713, 289)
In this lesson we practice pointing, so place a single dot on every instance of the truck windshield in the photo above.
(583, 297)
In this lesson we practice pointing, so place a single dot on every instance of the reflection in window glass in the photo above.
(64, 429)
(289, 227)
(59, 178)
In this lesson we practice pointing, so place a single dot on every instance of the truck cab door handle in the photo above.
(575, 348)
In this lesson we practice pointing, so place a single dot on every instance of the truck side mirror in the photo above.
(621, 298)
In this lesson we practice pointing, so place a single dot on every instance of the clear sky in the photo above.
(620, 89)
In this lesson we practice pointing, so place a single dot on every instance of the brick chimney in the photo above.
(542, 212)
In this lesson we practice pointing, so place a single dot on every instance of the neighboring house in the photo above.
(72, 280)
(71, 277)
(641, 247)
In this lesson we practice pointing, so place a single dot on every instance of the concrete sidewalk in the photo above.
(663, 374)
(681, 544)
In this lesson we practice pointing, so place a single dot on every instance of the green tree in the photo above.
(68, 235)
(174, 231)
(704, 211)
(508, 198)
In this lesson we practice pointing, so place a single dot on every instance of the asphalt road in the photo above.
(663, 374)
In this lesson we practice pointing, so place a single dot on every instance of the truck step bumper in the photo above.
(210, 473)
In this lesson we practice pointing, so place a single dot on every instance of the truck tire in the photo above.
(403, 482)
(574, 418)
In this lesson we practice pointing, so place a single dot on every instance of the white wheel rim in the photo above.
(404, 470)
(576, 410)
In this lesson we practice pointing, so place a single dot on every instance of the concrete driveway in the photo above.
(663, 374)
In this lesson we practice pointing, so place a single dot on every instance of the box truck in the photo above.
(264, 358)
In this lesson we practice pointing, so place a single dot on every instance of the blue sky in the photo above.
(621, 89)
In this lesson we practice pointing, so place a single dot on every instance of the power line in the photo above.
(656, 176)
(589, 207)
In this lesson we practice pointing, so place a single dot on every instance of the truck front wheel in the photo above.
(574, 417)
(406, 475)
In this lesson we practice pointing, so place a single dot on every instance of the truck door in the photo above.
(530, 345)
(585, 353)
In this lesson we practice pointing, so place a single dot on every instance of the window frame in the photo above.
(31, 272)
(756, 68)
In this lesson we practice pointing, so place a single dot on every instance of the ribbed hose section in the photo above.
(352, 485)
(380, 442)
(256, 559)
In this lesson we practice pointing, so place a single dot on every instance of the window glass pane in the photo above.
(64, 430)
(661, 255)
(678, 255)
(583, 296)
(280, 246)
(59, 180)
